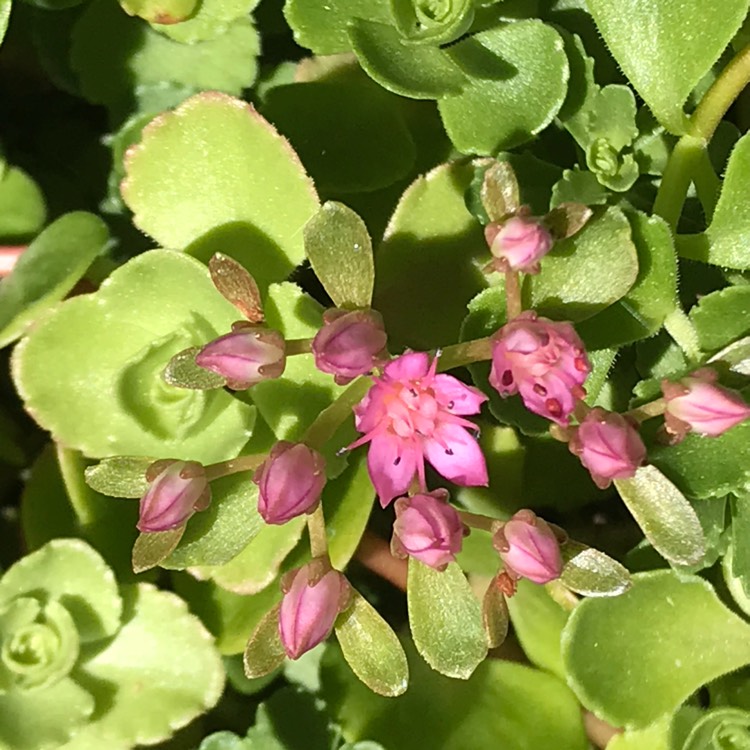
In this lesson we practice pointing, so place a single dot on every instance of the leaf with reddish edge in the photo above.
(237, 286)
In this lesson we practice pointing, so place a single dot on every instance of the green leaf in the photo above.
(427, 265)
(152, 548)
(183, 372)
(161, 639)
(726, 241)
(264, 652)
(22, 207)
(635, 657)
(107, 351)
(121, 476)
(642, 311)
(419, 72)
(518, 75)
(718, 727)
(445, 619)
(722, 317)
(665, 516)
(579, 186)
(499, 192)
(740, 554)
(5, 7)
(255, 195)
(70, 571)
(48, 269)
(340, 251)
(691, 38)
(435, 24)
(160, 11)
(350, 135)
(592, 573)
(212, 19)
(571, 285)
(654, 737)
(372, 649)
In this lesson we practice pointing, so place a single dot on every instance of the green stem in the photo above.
(647, 411)
(234, 466)
(707, 184)
(513, 305)
(331, 418)
(298, 346)
(476, 521)
(316, 528)
(465, 353)
(81, 496)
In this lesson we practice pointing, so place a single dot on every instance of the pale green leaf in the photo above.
(153, 547)
(5, 7)
(264, 652)
(654, 737)
(121, 476)
(22, 206)
(592, 573)
(211, 19)
(183, 372)
(160, 11)
(423, 23)
(718, 729)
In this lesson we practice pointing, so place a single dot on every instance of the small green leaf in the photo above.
(518, 75)
(665, 516)
(722, 317)
(340, 251)
(22, 207)
(236, 285)
(592, 573)
(635, 657)
(48, 269)
(255, 195)
(372, 649)
(432, 24)
(691, 38)
(121, 476)
(579, 186)
(419, 72)
(499, 192)
(160, 11)
(717, 727)
(654, 737)
(150, 549)
(495, 616)
(182, 372)
(211, 19)
(264, 652)
(445, 619)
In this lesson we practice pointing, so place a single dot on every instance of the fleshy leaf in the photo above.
(691, 38)
(495, 616)
(372, 649)
(340, 251)
(107, 351)
(264, 652)
(121, 476)
(592, 573)
(235, 284)
(72, 572)
(635, 657)
(160, 11)
(425, 23)
(499, 191)
(183, 372)
(722, 317)
(255, 196)
(151, 548)
(718, 726)
(519, 75)
(665, 516)
(48, 269)
(22, 207)
(211, 19)
(445, 619)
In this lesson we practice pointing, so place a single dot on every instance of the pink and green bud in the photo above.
(428, 529)
(529, 549)
(542, 360)
(313, 597)
(178, 489)
(608, 445)
(518, 244)
(245, 357)
(290, 482)
(697, 404)
(349, 344)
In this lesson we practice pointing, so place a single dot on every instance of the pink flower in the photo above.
(519, 243)
(528, 548)
(244, 357)
(608, 446)
(428, 529)
(178, 489)
(349, 344)
(313, 598)
(544, 361)
(696, 404)
(411, 415)
(290, 482)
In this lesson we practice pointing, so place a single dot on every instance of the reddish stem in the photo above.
(375, 554)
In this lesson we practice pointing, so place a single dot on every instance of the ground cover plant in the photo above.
(374, 374)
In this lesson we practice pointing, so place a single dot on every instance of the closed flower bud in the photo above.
(290, 481)
(313, 598)
(608, 446)
(519, 243)
(696, 404)
(244, 357)
(428, 529)
(178, 489)
(528, 548)
(349, 344)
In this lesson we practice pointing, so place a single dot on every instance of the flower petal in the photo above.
(457, 397)
(391, 463)
(457, 456)
(409, 366)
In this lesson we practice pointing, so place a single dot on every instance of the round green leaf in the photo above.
(592, 573)
(690, 35)
(108, 350)
(665, 516)
(22, 207)
(445, 619)
(632, 658)
(372, 649)
(427, 23)
(48, 269)
(518, 77)
(718, 727)
(212, 19)
(254, 198)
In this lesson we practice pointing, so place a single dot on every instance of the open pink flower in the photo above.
(411, 415)
(543, 360)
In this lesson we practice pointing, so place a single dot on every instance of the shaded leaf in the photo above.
(151, 548)
(183, 372)
(264, 652)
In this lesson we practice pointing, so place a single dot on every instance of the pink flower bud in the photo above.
(349, 344)
(519, 243)
(528, 548)
(246, 356)
(696, 404)
(543, 360)
(427, 528)
(608, 446)
(290, 482)
(178, 489)
(313, 598)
